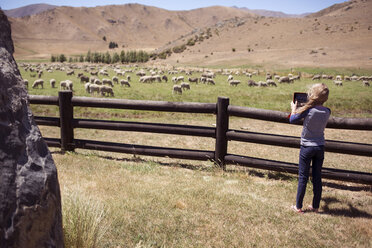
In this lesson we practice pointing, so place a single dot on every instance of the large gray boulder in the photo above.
(30, 201)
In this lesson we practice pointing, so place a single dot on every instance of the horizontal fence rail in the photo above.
(282, 117)
(146, 127)
(221, 133)
(187, 107)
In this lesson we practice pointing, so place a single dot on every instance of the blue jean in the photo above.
(308, 154)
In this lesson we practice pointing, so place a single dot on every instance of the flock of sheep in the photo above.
(105, 87)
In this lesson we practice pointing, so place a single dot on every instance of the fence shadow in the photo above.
(342, 186)
(351, 212)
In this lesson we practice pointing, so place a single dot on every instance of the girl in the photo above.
(315, 117)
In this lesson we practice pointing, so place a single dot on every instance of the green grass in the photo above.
(351, 100)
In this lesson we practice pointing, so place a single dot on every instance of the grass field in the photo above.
(119, 200)
(351, 100)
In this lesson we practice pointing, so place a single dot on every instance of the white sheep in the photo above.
(124, 82)
(271, 83)
(185, 86)
(97, 81)
(69, 73)
(338, 78)
(38, 82)
(108, 82)
(316, 77)
(66, 85)
(365, 83)
(53, 83)
(337, 83)
(104, 89)
(262, 84)
(177, 89)
(94, 88)
(234, 82)
(87, 87)
(210, 81)
(284, 80)
(230, 77)
(252, 83)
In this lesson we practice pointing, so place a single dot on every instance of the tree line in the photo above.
(107, 58)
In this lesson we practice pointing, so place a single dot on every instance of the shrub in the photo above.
(233, 49)
(84, 222)
(179, 49)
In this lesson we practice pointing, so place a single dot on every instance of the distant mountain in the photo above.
(336, 8)
(29, 10)
(270, 13)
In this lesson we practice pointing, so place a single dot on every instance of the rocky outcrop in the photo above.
(30, 202)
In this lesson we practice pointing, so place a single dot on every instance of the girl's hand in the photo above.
(293, 107)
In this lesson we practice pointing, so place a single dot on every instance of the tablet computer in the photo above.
(300, 97)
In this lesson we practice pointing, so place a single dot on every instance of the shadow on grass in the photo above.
(349, 211)
(342, 186)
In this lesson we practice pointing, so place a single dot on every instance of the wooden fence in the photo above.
(221, 133)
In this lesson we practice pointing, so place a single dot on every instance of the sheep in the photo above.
(262, 84)
(338, 78)
(128, 78)
(87, 87)
(230, 78)
(252, 83)
(185, 86)
(316, 77)
(38, 82)
(25, 82)
(97, 81)
(80, 74)
(354, 78)
(94, 73)
(124, 83)
(145, 79)
(208, 75)
(67, 84)
(180, 78)
(276, 77)
(271, 83)
(347, 78)
(94, 88)
(268, 76)
(284, 80)
(103, 72)
(52, 83)
(164, 78)
(84, 79)
(177, 89)
(69, 73)
(141, 73)
(193, 80)
(174, 79)
(234, 82)
(40, 73)
(210, 81)
(337, 83)
(115, 79)
(108, 82)
(106, 90)
(365, 83)
(203, 80)
(156, 78)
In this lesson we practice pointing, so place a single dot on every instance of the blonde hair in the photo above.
(317, 95)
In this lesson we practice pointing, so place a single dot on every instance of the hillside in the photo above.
(132, 26)
(338, 36)
(29, 10)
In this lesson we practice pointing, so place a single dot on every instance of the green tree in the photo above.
(53, 58)
(62, 58)
(115, 58)
(88, 58)
(122, 56)
(107, 58)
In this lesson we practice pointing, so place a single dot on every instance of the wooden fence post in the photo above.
(66, 116)
(222, 126)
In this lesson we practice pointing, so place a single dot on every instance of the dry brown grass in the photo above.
(162, 202)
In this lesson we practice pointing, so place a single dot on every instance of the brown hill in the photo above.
(76, 30)
(31, 9)
(337, 36)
